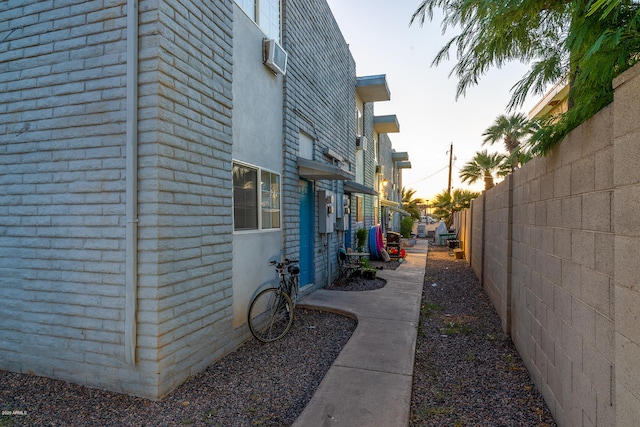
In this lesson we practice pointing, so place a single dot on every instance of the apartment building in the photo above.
(156, 155)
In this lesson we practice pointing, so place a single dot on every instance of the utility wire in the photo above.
(427, 177)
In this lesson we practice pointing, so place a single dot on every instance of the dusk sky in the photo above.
(422, 96)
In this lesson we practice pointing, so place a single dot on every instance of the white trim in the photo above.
(259, 171)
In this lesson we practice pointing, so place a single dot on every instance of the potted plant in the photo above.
(368, 272)
(361, 239)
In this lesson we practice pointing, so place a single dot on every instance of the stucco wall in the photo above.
(567, 288)
(257, 140)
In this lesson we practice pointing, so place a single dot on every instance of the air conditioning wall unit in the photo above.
(361, 143)
(274, 56)
(380, 169)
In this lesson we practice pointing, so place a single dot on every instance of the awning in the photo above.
(400, 211)
(354, 187)
(400, 156)
(373, 88)
(386, 124)
(388, 203)
(313, 170)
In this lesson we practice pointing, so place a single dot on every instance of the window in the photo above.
(249, 7)
(270, 18)
(359, 209)
(376, 149)
(270, 200)
(255, 206)
(265, 13)
(245, 198)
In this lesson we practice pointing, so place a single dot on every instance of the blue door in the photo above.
(306, 232)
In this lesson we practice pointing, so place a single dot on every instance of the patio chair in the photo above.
(348, 265)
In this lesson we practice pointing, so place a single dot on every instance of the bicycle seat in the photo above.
(294, 269)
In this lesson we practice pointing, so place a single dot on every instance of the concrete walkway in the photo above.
(369, 384)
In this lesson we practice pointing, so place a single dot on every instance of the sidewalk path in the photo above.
(369, 384)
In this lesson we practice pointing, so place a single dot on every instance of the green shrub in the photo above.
(406, 226)
(361, 238)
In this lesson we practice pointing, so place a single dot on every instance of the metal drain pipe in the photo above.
(131, 196)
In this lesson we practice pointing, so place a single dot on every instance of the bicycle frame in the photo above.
(288, 273)
(271, 311)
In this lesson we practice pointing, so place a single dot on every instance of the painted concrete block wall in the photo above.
(389, 192)
(385, 160)
(62, 99)
(319, 102)
(62, 256)
(370, 162)
(185, 188)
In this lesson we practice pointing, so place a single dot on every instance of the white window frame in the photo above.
(249, 7)
(270, 200)
(263, 206)
(359, 210)
(265, 15)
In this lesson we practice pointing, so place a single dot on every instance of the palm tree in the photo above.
(511, 130)
(586, 42)
(462, 199)
(410, 204)
(446, 204)
(483, 166)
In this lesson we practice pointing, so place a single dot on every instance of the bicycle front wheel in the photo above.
(270, 315)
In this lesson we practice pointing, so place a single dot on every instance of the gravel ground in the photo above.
(257, 385)
(357, 283)
(466, 373)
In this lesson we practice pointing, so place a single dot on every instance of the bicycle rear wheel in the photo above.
(294, 288)
(270, 315)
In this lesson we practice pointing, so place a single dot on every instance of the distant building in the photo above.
(555, 101)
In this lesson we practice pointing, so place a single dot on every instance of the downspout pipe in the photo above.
(131, 196)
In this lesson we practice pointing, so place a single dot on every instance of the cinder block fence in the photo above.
(557, 246)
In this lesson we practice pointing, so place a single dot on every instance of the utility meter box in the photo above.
(342, 215)
(326, 211)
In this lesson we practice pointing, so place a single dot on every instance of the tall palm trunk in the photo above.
(488, 181)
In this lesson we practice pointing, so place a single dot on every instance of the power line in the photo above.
(427, 177)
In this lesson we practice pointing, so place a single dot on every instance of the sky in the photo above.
(423, 97)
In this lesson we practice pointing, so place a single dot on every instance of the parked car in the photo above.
(427, 219)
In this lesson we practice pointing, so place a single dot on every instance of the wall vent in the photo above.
(274, 56)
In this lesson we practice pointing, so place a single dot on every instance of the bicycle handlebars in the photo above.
(287, 261)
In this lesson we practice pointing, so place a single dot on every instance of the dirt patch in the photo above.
(356, 283)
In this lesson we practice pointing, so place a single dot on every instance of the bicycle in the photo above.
(271, 312)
